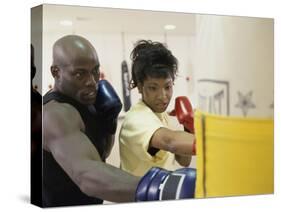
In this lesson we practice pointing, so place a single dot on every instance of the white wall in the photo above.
(238, 50)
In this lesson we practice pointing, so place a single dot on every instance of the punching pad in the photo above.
(125, 86)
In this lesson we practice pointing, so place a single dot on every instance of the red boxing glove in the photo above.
(184, 113)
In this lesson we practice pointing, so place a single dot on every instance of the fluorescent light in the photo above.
(169, 27)
(66, 23)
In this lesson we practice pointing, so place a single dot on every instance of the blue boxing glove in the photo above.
(160, 184)
(108, 106)
(154, 174)
(186, 186)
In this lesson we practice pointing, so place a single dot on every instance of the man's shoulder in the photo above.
(58, 110)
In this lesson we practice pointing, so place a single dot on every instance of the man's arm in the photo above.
(79, 158)
(177, 142)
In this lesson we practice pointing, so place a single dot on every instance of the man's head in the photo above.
(75, 68)
(154, 70)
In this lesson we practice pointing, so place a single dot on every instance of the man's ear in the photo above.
(55, 72)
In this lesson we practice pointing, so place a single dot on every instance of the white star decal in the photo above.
(245, 102)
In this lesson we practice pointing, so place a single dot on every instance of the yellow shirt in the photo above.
(139, 125)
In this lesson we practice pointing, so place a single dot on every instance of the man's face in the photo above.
(157, 93)
(79, 80)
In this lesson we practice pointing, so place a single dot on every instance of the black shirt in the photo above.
(58, 188)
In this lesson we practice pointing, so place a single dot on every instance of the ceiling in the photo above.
(116, 20)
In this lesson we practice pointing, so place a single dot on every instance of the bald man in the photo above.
(79, 124)
(74, 165)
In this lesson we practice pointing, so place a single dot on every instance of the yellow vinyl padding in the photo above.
(234, 155)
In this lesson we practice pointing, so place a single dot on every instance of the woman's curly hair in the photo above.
(152, 59)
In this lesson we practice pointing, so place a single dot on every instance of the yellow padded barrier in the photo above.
(234, 155)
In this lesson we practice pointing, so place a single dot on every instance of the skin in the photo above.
(76, 72)
(156, 94)
(76, 69)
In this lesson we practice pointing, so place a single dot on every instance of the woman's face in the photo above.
(156, 93)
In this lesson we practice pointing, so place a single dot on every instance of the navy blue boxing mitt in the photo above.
(160, 184)
(108, 105)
